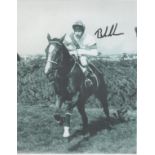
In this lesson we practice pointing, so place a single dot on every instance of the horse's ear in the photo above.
(49, 37)
(63, 37)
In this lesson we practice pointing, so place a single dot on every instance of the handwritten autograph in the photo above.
(112, 32)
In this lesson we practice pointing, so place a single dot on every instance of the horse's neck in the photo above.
(76, 70)
(68, 63)
(71, 65)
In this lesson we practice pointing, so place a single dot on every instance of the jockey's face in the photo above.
(78, 31)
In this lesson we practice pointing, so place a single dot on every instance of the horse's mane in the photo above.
(63, 46)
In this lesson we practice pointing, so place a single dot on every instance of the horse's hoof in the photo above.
(66, 140)
(59, 120)
(57, 117)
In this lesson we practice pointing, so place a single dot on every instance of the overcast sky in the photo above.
(38, 17)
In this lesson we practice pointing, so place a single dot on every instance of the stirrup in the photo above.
(88, 83)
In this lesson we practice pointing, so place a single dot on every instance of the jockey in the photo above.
(81, 45)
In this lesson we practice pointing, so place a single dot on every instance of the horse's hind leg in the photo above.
(102, 96)
(81, 109)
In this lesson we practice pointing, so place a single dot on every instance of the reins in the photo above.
(52, 61)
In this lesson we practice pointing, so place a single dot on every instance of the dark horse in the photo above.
(69, 82)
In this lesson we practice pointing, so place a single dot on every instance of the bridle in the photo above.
(52, 61)
(55, 70)
(60, 66)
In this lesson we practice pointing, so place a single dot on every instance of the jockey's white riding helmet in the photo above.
(78, 25)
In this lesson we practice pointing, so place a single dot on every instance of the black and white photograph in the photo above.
(77, 76)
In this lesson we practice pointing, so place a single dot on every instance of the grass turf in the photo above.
(39, 133)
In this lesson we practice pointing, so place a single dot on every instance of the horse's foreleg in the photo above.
(59, 101)
(68, 114)
(58, 111)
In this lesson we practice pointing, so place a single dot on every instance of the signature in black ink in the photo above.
(112, 32)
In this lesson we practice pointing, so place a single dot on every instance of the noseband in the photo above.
(52, 61)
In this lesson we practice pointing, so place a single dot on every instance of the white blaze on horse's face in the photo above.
(48, 63)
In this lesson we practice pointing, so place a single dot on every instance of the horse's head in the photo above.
(55, 53)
